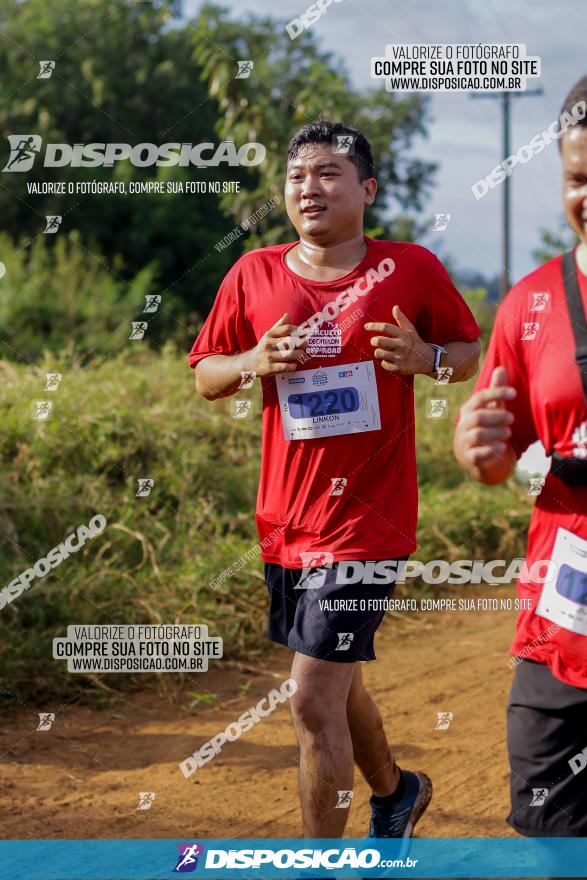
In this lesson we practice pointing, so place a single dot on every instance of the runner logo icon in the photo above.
(540, 301)
(444, 719)
(42, 410)
(443, 375)
(46, 719)
(187, 861)
(437, 408)
(53, 380)
(46, 68)
(536, 485)
(146, 799)
(315, 566)
(145, 486)
(441, 222)
(338, 484)
(152, 302)
(539, 796)
(53, 222)
(344, 800)
(23, 149)
(530, 330)
(244, 69)
(344, 143)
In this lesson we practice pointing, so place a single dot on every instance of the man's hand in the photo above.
(481, 438)
(400, 349)
(267, 357)
(220, 375)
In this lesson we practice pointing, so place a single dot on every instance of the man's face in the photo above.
(574, 158)
(324, 198)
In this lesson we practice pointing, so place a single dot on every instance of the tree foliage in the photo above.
(292, 82)
(141, 72)
(555, 242)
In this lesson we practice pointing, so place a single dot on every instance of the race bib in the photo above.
(329, 401)
(564, 596)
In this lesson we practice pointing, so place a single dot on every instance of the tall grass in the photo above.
(138, 416)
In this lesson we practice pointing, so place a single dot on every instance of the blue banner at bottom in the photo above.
(227, 859)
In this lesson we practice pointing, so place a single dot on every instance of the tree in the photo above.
(123, 73)
(292, 82)
(555, 243)
(62, 301)
(140, 72)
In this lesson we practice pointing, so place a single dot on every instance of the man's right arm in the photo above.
(220, 375)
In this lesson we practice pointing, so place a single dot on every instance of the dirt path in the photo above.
(81, 779)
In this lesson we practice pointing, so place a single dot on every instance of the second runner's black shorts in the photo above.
(312, 614)
(547, 733)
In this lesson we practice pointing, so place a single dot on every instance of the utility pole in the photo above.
(505, 98)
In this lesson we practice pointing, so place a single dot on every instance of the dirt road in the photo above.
(82, 778)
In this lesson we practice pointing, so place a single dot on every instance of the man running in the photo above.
(532, 388)
(336, 325)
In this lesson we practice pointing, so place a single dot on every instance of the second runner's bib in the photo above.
(564, 597)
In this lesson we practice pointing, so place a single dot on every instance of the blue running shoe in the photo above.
(400, 820)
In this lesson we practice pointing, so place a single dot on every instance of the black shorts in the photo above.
(312, 614)
(547, 727)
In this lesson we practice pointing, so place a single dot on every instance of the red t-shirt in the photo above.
(375, 515)
(549, 407)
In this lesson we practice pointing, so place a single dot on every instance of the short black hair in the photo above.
(577, 94)
(324, 132)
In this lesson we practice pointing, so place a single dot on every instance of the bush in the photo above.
(138, 416)
(132, 418)
(64, 300)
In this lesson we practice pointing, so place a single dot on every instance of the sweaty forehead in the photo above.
(311, 155)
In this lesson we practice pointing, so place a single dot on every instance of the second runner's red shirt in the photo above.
(370, 511)
(533, 339)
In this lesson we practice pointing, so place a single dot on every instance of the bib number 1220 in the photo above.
(323, 403)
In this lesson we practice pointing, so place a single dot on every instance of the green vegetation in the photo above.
(127, 410)
(132, 73)
(138, 416)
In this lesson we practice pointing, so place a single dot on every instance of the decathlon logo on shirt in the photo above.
(325, 341)
(347, 297)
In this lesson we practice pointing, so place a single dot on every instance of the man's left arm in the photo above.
(401, 350)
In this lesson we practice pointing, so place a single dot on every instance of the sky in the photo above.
(464, 136)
